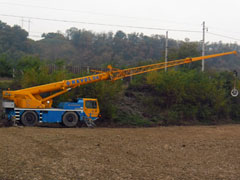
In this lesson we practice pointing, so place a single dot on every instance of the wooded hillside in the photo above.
(86, 48)
(183, 95)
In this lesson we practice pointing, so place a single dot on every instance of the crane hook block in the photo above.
(234, 92)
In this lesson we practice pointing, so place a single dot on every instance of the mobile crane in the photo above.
(29, 107)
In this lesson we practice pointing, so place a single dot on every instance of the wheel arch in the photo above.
(71, 111)
(35, 115)
(72, 121)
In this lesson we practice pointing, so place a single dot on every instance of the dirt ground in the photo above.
(193, 152)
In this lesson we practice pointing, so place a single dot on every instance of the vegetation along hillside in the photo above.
(183, 95)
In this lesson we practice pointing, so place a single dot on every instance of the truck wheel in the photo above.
(29, 118)
(70, 119)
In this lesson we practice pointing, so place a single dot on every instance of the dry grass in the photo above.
(5, 80)
(198, 152)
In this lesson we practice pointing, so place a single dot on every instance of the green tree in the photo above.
(5, 66)
(13, 40)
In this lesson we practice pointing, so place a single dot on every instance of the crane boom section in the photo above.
(120, 74)
(31, 97)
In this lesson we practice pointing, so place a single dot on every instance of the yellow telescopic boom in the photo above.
(120, 74)
(31, 97)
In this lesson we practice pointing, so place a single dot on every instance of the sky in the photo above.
(182, 18)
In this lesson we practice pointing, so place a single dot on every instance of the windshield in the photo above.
(91, 104)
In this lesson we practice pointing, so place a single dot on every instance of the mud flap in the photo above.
(89, 122)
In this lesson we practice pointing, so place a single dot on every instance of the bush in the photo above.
(188, 96)
(5, 66)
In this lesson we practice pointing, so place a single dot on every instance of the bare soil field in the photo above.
(192, 152)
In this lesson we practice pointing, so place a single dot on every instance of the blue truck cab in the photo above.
(84, 110)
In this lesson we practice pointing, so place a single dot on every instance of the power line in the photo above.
(94, 13)
(37, 36)
(117, 25)
(37, 32)
(101, 24)
(220, 35)
(222, 29)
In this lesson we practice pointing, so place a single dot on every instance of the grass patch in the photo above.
(5, 83)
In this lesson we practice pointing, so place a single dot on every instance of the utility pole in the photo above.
(22, 22)
(203, 45)
(29, 26)
(166, 51)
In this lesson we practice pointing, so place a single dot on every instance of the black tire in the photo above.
(29, 118)
(70, 119)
